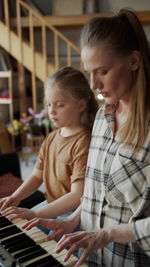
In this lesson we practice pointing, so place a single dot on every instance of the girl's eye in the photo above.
(48, 105)
(60, 105)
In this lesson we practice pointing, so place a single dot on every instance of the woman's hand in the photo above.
(60, 227)
(16, 213)
(8, 202)
(88, 240)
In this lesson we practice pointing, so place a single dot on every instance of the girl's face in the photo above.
(110, 75)
(63, 108)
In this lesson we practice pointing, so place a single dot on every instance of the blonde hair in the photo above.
(73, 81)
(122, 33)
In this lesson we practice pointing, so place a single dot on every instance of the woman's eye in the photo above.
(104, 72)
(101, 72)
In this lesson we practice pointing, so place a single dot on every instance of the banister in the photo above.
(38, 62)
(50, 26)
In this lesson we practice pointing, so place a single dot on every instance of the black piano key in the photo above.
(5, 223)
(3, 219)
(47, 265)
(47, 260)
(10, 231)
(13, 238)
(26, 251)
(13, 243)
(18, 250)
(33, 255)
(27, 243)
(56, 264)
(13, 264)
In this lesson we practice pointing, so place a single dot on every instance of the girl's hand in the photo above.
(88, 240)
(60, 227)
(16, 213)
(8, 202)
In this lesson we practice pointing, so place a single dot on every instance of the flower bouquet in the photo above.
(17, 127)
(27, 123)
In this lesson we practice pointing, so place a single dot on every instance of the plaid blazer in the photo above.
(117, 190)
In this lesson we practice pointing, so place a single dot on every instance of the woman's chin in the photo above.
(110, 101)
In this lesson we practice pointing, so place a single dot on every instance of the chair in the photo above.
(10, 164)
(33, 146)
(5, 144)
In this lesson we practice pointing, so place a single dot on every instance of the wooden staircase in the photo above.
(24, 50)
(18, 39)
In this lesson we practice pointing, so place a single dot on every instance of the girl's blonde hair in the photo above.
(73, 81)
(122, 33)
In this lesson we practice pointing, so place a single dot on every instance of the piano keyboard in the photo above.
(21, 248)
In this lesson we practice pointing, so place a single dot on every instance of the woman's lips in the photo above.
(104, 94)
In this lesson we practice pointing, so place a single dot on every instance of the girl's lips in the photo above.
(53, 119)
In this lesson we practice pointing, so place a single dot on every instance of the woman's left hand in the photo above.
(16, 212)
(88, 240)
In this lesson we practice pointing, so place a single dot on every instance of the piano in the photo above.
(21, 248)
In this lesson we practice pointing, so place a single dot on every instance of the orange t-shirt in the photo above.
(63, 161)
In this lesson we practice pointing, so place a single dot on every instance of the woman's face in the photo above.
(110, 75)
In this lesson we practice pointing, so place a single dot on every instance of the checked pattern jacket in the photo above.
(117, 191)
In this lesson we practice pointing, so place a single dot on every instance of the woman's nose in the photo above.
(95, 83)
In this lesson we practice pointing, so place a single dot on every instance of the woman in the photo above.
(115, 205)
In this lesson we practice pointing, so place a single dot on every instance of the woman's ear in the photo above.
(81, 105)
(135, 60)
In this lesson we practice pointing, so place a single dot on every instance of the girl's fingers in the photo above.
(7, 212)
(15, 217)
(4, 204)
(11, 210)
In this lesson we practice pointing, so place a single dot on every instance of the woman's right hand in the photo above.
(7, 202)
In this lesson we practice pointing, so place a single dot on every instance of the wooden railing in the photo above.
(51, 42)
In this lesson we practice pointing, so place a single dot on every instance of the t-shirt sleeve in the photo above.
(40, 158)
(80, 159)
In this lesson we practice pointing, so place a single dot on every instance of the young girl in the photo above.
(62, 159)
